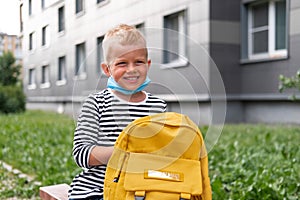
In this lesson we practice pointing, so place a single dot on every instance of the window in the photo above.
(31, 79)
(175, 53)
(21, 17)
(46, 3)
(80, 69)
(79, 6)
(141, 28)
(102, 2)
(61, 78)
(29, 7)
(31, 41)
(45, 36)
(100, 57)
(43, 4)
(264, 30)
(61, 19)
(45, 82)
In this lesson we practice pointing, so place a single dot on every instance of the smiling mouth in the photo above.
(131, 78)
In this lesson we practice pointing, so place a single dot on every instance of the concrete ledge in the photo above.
(54, 192)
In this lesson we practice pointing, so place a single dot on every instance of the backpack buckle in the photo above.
(184, 196)
(139, 195)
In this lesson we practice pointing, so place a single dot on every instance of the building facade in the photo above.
(209, 57)
(11, 43)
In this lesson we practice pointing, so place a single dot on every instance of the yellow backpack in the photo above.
(158, 157)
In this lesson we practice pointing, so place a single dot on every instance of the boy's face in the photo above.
(129, 67)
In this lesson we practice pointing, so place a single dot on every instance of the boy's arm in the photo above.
(86, 136)
(100, 155)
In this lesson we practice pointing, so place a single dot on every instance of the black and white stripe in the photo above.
(102, 119)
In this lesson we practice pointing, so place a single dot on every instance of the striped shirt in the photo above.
(102, 119)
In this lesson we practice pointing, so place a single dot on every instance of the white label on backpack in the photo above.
(164, 175)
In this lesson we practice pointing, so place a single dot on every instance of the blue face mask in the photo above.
(111, 83)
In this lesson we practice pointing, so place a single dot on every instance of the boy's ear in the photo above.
(149, 63)
(105, 69)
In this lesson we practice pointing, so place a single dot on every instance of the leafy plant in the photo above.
(12, 99)
(9, 71)
(290, 83)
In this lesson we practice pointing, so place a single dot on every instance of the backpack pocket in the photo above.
(162, 177)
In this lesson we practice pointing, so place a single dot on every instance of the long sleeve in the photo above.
(86, 132)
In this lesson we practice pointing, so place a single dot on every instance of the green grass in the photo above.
(14, 186)
(248, 162)
(256, 162)
(39, 144)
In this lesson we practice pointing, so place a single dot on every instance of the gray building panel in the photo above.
(214, 35)
(226, 10)
(226, 57)
(294, 4)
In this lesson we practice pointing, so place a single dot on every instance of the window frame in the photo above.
(45, 76)
(45, 36)
(43, 4)
(31, 79)
(61, 71)
(100, 56)
(29, 7)
(247, 54)
(79, 7)
(31, 41)
(182, 57)
(80, 62)
(61, 19)
(141, 28)
(101, 2)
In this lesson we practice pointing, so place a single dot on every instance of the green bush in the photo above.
(12, 99)
(290, 83)
(9, 70)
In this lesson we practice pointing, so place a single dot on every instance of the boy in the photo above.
(105, 114)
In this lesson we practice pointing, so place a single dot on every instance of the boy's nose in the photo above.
(131, 67)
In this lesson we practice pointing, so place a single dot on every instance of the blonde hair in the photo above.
(122, 34)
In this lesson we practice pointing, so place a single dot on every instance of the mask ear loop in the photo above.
(108, 68)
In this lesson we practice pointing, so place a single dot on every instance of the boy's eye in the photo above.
(121, 64)
(140, 62)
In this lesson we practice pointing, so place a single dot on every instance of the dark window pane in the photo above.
(280, 25)
(100, 57)
(80, 56)
(61, 68)
(29, 7)
(260, 42)
(30, 41)
(43, 4)
(79, 6)
(61, 19)
(171, 38)
(43, 36)
(260, 15)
